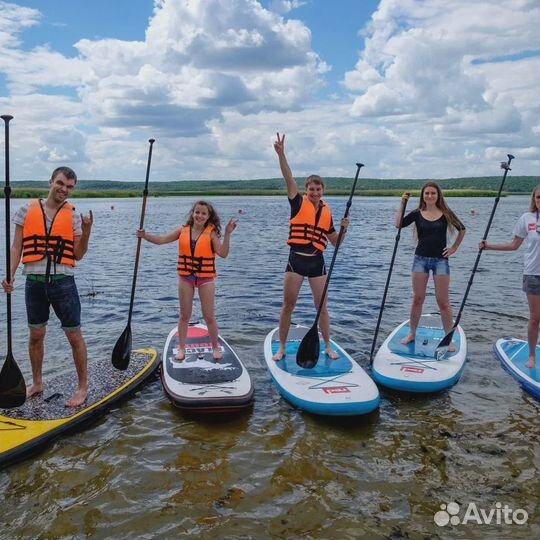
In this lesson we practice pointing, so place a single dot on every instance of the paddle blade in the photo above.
(442, 348)
(309, 349)
(12, 386)
(122, 350)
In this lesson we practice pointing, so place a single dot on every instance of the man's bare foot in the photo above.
(409, 339)
(217, 354)
(333, 355)
(280, 355)
(78, 398)
(180, 355)
(531, 364)
(34, 390)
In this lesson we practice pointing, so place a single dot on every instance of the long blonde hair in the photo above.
(532, 206)
(454, 224)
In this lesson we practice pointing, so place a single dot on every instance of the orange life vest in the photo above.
(308, 228)
(201, 263)
(57, 243)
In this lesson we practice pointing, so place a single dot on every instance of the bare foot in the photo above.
(34, 390)
(180, 355)
(280, 355)
(531, 363)
(333, 355)
(451, 348)
(217, 354)
(78, 398)
(409, 339)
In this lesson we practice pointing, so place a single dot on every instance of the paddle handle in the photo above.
(141, 226)
(7, 194)
(398, 236)
(338, 243)
(506, 167)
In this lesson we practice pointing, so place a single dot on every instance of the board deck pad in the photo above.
(103, 380)
(199, 366)
(514, 354)
(426, 342)
(325, 366)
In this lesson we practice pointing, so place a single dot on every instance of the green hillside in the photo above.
(479, 186)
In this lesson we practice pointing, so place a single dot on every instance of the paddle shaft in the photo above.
(141, 226)
(506, 167)
(398, 236)
(338, 243)
(7, 193)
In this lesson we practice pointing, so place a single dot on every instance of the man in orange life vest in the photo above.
(310, 227)
(50, 236)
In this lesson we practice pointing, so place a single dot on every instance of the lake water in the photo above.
(146, 471)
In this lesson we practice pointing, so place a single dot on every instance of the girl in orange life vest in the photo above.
(198, 244)
(311, 226)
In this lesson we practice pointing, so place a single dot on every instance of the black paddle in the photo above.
(12, 386)
(122, 350)
(398, 236)
(308, 351)
(442, 348)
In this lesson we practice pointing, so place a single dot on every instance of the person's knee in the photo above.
(444, 305)
(75, 338)
(418, 299)
(37, 335)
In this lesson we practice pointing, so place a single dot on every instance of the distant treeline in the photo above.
(463, 187)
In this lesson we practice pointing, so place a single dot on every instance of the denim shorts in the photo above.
(531, 285)
(62, 295)
(438, 266)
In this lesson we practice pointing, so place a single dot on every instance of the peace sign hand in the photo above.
(279, 145)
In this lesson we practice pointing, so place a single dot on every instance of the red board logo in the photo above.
(336, 390)
(412, 369)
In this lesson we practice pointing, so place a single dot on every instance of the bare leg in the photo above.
(80, 357)
(442, 284)
(419, 284)
(207, 294)
(532, 329)
(291, 289)
(317, 287)
(185, 294)
(36, 350)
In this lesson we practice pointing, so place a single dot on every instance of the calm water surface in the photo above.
(147, 471)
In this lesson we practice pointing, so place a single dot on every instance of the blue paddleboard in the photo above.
(513, 354)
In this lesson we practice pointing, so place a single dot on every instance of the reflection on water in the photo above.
(147, 471)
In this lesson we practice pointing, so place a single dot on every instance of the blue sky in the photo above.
(409, 87)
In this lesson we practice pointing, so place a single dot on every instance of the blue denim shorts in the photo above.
(438, 266)
(531, 285)
(62, 295)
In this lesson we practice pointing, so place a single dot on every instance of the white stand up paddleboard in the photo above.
(333, 387)
(513, 354)
(414, 367)
(201, 384)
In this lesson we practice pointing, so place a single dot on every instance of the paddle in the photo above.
(122, 350)
(398, 236)
(12, 386)
(308, 351)
(442, 348)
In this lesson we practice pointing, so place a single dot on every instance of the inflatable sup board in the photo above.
(201, 384)
(28, 429)
(413, 367)
(333, 387)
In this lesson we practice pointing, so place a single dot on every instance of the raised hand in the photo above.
(279, 145)
(231, 226)
(87, 222)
